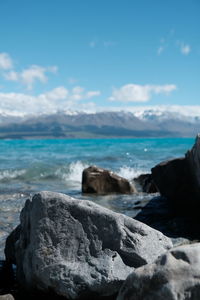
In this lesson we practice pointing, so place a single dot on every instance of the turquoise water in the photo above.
(29, 166)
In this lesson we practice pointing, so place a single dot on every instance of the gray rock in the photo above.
(173, 276)
(76, 247)
(102, 181)
(6, 297)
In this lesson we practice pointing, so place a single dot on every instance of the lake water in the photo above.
(29, 166)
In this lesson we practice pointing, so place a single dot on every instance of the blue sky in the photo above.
(89, 54)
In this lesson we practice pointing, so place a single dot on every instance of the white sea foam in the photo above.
(130, 173)
(73, 172)
(11, 174)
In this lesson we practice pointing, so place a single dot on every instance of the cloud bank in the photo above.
(52, 101)
(140, 93)
(31, 75)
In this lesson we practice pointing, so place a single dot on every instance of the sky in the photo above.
(98, 54)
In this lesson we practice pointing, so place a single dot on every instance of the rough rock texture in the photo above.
(76, 248)
(174, 276)
(102, 181)
(146, 183)
(6, 297)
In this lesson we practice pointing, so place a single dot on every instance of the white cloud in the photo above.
(5, 61)
(91, 94)
(11, 75)
(185, 49)
(139, 93)
(35, 73)
(78, 93)
(29, 76)
(56, 94)
(59, 98)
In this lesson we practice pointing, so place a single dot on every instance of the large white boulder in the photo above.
(78, 248)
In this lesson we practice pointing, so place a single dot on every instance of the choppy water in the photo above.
(29, 166)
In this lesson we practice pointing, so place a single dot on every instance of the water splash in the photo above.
(130, 173)
(11, 174)
(72, 173)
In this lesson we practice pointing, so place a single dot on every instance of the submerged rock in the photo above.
(102, 181)
(174, 275)
(77, 248)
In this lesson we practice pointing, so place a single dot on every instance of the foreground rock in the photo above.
(6, 297)
(179, 181)
(76, 248)
(102, 181)
(175, 275)
(158, 215)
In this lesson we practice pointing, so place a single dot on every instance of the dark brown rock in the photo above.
(102, 181)
(146, 183)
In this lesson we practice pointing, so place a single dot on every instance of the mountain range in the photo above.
(141, 123)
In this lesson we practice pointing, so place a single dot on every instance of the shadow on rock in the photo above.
(158, 214)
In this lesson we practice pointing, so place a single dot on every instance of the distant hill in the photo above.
(100, 124)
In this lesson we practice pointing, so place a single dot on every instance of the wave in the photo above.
(72, 172)
(130, 173)
(6, 175)
(68, 175)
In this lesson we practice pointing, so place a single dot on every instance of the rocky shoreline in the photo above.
(66, 248)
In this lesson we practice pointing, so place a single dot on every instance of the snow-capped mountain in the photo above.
(160, 113)
(134, 122)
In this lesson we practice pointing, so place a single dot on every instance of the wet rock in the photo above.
(179, 181)
(102, 181)
(175, 275)
(77, 248)
(193, 162)
(172, 179)
(146, 183)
